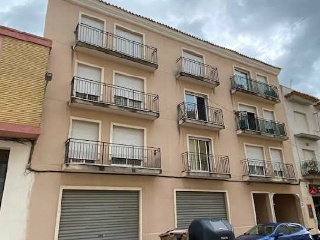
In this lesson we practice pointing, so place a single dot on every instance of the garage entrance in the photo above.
(91, 214)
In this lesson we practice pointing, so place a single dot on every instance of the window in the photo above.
(128, 91)
(283, 229)
(277, 162)
(199, 154)
(301, 122)
(261, 84)
(248, 118)
(91, 31)
(294, 228)
(87, 84)
(84, 145)
(127, 146)
(255, 158)
(193, 64)
(242, 79)
(4, 157)
(269, 123)
(129, 43)
(196, 107)
(308, 155)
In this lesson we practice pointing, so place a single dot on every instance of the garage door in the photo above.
(195, 205)
(99, 215)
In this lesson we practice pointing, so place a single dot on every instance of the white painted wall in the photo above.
(17, 191)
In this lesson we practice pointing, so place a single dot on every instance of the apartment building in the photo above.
(23, 65)
(146, 128)
(303, 118)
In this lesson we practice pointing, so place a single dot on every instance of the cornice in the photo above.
(163, 30)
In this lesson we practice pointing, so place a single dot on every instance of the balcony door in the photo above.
(4, 157)
(129, 43)
(277, 162)
(269, 123)
(199, 154)
(128, 91)
(262, 84)
(308, 155)
(127, 146)
(193, 64)
(87, 84)
(301, 123)
(242, 79)
(196, 107)
(91, 31)
(248, 118)
(83, 148)
(255, 160)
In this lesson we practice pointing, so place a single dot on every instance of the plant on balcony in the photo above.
(311, 166)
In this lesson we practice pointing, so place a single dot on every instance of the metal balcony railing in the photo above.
(255, 87)
(310, 167)
(201, 113)
(197, 162)
(198, 70)
(79, 151)
(93, 91)
(261, 168)
(108, 41)
(248, 122)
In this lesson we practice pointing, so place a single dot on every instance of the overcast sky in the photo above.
(284, 33)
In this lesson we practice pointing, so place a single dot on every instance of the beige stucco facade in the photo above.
(157, 193)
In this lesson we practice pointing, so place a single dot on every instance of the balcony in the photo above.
(310, 169)
(267, 171)
(200, 116)
(197, 72)
(102, 44)
(99, 96)
(92, 156)
(197, 165)
(258, 90)
(259, 127)
(313, 136)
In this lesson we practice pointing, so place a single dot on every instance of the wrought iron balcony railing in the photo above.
(255, 87)
(248, 122)
(198, 70)
(261, 168)
(79, 151)
(310, 167)
(197, 162)
(200, 113)
(93, 91)
(110, 42)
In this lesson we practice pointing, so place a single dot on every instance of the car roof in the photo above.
(276, 224)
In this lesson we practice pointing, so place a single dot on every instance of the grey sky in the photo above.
(283, 33)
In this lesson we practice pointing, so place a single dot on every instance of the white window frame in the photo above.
(97, 18)
(264, 155)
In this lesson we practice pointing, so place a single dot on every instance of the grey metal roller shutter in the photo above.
(195, 205)
(99, 215)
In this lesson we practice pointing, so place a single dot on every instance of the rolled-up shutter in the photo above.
(199, 205)
(99, 215)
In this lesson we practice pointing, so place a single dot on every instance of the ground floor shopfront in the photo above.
(97, 206)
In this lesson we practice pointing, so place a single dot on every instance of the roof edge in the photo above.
(24, 36)
(173, 33)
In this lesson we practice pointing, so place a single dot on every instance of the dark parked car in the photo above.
(273, 231)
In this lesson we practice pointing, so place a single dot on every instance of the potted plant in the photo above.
(310, 166)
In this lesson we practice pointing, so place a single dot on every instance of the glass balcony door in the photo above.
(256, 163)
(196, 107)
(193, 64)
(277, 162)
(91, 31)
(199, 154)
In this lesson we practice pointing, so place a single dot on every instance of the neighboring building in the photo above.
(303, 118)
(146, 128)
(23, 65)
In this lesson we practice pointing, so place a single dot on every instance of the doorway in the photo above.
(262, 207)
(287, 208)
